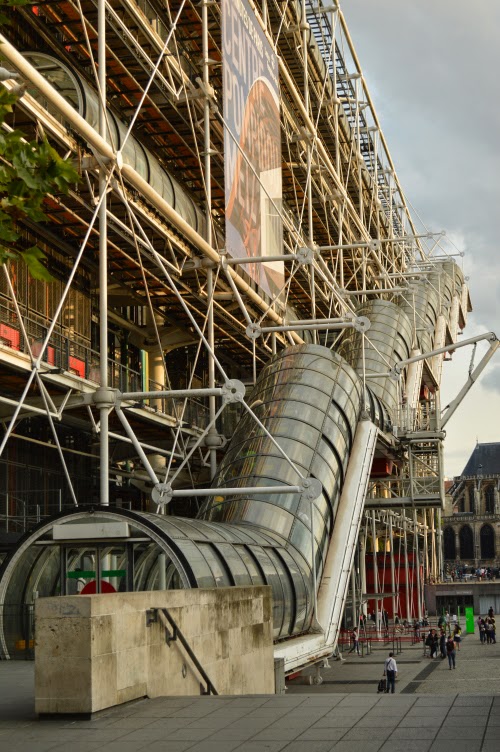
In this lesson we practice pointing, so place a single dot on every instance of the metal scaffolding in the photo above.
(131, 92)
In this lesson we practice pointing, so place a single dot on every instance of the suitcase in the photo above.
(382, 685)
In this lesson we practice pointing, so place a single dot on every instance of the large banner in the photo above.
(252, 145)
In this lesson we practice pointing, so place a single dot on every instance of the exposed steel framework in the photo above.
(131, 92)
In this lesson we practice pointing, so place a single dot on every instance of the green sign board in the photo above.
(469, 619)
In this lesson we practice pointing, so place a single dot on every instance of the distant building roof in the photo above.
(484, 460)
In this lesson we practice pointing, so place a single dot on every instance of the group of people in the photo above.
(487, 628)
(443, 646)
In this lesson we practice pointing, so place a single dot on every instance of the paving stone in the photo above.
(460, 732)
(310, 746)
(492, 732)
(413, 733)
(365, 734)
(208, 746)
(408, 745)
(261, 747)
(419, 722)
(465, 745)
(277, 734)
(188, 733)
(343, 746)
(119, 747)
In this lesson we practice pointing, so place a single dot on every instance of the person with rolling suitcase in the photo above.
(390, 671)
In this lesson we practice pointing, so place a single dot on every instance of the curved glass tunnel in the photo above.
(309, 400)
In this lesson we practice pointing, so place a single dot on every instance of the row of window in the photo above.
(485, 545)
(489, 501)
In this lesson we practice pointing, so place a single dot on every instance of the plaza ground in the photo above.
(434, 710)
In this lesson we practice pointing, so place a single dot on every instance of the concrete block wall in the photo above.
(96, 651)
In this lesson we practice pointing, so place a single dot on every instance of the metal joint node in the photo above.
(361, 323)
(233, 391)
(395, 373)
(305, 255)
(253, 331)
(105, 397)
(312, 488)
(374, 245)
(214, 441)
(162, 494)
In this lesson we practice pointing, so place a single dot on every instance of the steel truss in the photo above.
(348, 238)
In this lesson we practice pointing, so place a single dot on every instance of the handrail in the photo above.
(152, 616)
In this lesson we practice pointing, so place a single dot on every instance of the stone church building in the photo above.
(471, 525)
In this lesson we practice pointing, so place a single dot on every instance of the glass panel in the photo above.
(216, 565)
(272, 579)
(300, 592)
(288, 592)
(198, 563)
(254, 571)
(232, 559)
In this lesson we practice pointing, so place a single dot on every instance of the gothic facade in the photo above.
(471, 527)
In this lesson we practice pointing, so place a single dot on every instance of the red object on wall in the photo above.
(10, 336)
(381, 467)
(91, 588)
(77, 366)
(384, 584)
(49, 355)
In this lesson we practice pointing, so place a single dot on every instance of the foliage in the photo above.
(4, 18)
(29, 170)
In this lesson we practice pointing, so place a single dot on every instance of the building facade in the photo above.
(238, 360)
(471, 529)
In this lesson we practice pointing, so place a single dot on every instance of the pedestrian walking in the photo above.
(457, 636)
(450, 650)
(355, 642)
(482, 631)
(442, 644)
(390, 671)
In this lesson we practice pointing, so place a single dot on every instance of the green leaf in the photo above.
(32, 258)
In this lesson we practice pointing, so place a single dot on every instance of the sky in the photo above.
(433, 71)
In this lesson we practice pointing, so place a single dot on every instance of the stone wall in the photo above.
(96, 651)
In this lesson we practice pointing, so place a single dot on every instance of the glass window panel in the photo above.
(202, 572)
(216, 565)
(252, 568)
(300, 592)
(231, 557)
(301, 538)
(274, 581)
(288, 592)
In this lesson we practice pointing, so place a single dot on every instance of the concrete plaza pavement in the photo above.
(433, 710)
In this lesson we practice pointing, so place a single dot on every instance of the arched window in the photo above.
(466, 542)
(487, 538)
(489, 500)
(471, 499)
(450, 549)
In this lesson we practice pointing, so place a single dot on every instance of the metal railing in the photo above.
(73, 354)
(153, 615)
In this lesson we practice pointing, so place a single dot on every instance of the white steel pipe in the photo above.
(97, 143)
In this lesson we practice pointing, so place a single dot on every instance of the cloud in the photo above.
(491, 379)
(432, 69)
